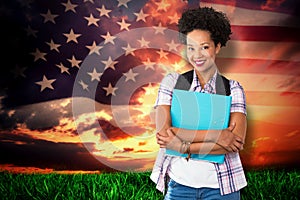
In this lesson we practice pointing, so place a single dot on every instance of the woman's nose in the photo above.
(198, 53)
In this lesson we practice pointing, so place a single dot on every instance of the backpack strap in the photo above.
(222, 85)
(184, 82)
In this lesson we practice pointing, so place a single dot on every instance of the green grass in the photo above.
(272, 184)
(263, 184)
(52, 186)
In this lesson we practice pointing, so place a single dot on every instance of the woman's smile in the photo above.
(199, 63)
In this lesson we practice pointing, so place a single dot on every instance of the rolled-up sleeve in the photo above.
(238, 103)
(165, 91)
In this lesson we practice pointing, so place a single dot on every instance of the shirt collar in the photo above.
(209, 87)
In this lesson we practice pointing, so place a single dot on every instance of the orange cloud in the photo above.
(28, 170)
(127, 149)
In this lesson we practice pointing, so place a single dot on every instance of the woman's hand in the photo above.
(229, 141)
(170, 141)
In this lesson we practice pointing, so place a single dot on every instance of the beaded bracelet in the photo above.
(188, 151)
(185, 148)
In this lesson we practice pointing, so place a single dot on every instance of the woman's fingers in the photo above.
(237, 146)
(161, 140)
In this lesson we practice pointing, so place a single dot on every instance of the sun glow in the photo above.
(142, 146)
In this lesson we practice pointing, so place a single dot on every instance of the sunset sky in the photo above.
(71, 105)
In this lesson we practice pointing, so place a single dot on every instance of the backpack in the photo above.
(184, 82)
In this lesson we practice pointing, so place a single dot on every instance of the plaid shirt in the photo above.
(230, 174)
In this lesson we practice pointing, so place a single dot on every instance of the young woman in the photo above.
(204, 32)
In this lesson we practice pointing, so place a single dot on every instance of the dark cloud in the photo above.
(21, 150)
(113, 133)
(36, 116)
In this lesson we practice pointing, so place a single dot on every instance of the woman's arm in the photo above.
(227, 138)
(163, 119)
(224, 141)
(175, 143)
(225, 144)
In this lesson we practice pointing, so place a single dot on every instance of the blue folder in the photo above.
(199, 111)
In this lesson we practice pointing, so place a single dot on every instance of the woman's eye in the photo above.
(190, 48)
(205, 47)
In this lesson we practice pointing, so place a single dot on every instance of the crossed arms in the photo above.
(223, 141)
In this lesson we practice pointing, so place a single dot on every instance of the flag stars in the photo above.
(95, 75)
(63, 69)
(123, 3)
(162, 54)
(30, 32)
(103, 11)
(72, 36)
(130, 75)
(149, 64)
(141, 16)
(53, 46)
(39, 55)
(92, 20)
(46, 83)
(174, 19)
(74, 62)
(150, 90)
(109, 63)
(143, 42)
(163, 5)
(48, 17)
(83, 85)
(123, 25)
(129, 50)
(69, 6)
(108, 38)
(172, 45)
(94, 48)
(110, 90)
(159, 28)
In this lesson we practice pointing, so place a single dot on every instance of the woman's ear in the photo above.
(218, 48)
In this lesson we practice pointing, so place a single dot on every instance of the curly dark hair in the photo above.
(207, 19)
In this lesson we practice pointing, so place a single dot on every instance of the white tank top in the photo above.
(193, 173)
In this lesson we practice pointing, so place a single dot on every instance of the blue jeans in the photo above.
(177, 191)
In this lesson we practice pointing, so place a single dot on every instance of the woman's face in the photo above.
(201, 51)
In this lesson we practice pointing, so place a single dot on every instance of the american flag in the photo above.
(48, 42)
(79, 78)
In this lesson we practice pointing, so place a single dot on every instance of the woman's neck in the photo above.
(204, 77)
